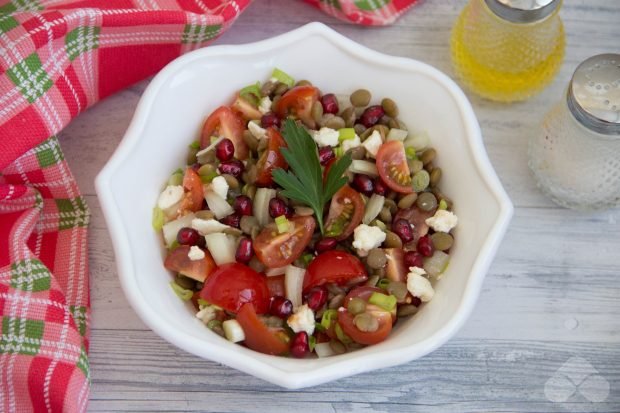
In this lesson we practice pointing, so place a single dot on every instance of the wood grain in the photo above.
(551, 294)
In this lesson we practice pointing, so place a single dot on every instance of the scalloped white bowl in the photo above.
(170, 115)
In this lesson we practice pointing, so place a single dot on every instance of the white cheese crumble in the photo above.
(256, 131)
(264, 105)
(326, 137)
(350, 143)
(302, 320)
(372, 143)
(442, 221)
(418, 285)
(195, 253)
(209, 226)
(220, 186)
(207, 314)
(367, 238)
(170, 196)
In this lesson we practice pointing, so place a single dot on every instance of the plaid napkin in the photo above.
(58, 57)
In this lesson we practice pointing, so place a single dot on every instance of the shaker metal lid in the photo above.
(594, 93)
(523, 11)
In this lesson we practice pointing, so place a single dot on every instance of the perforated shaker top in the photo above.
(594, 94)
(523, 11)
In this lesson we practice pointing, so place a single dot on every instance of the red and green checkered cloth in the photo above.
(58, 57)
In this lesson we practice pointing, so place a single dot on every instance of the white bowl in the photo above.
(170, 115)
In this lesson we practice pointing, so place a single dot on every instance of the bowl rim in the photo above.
(260, 365)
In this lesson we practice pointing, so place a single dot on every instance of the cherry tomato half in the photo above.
(345, 213)
(258, 336)
(194, 192)
(177, 260)
(345, 319)
(232, 285)
(277, 250)
(298, 101)
(224, 122)
(393, 168)
(271, 158)
(334, 266)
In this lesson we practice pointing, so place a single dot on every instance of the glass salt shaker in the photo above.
(575, 157)
(508, 50)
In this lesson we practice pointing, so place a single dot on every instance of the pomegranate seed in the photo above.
(363, 184)
(325, 244)
(278, 207)
(233, 220)
(299, 345)
(330, 103)
(372, 115)
(402, 228)
(416, 301)
(281, 307)
(189, 236)
(232, 167)
(316, 298)
(413, 259)
(244, 250)
(243, 205)
(425, 246)
(196, 166)
(326, 154)
(380, 187)
(225, 150)
(270, 119)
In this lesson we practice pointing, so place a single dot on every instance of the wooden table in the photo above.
(551, 298)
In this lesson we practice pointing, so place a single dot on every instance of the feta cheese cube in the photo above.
(264, 105)
(350, 143)
(372, 143)
(220, 186)
(442, 221)
(366, 237)
(209, 226)
(326, 137)
(256, 131)
(233, 331)
(302, 320)
(418, 285)
(170, 196)
(195, 253)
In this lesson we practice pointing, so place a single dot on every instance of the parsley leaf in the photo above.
(303, 182)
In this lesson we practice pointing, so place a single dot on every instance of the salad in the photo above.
(305, 222)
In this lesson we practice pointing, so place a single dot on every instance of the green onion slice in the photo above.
(283, 77)
(387, 302)
(181, 292)
(282, 224)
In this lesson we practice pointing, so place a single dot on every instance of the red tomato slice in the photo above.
(178, 261)
(277, 250)
(194, 192)
(271, 158)
(393, 167)
(224, 122)
(345, 319)
(345, 213)
(276, 285)
(245, 109)
(395, 268)
(233, 285)
(258, 336)
(417, 218)
(298, 101)
(334, 266)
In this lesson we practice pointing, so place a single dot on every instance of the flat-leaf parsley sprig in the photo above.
(304, 180)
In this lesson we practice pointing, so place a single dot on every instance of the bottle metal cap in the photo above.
(523, 11)
(594, 94)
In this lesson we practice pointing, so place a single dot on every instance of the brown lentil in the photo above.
(232, 182)
(359, 128)
(317, 111)
(426, 201)
(407, 201)
(428, 156)
(372, 280)
(406, 310)
(334, 122)
(359, 152)
(415, 165)
(281, 88)
(360, 98)
(442, 241)
(392, 240)
(385, 215)
(389, 202)
(250, 140)
(249, 190)
(185, 282)
(337, 347)
(303, 82)
(205, 214)
(356, 305)
(349, 117)
(435, 176)
(390, 107)
(267, 88)
(376, 258)
(336, 301)
(248, 223)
